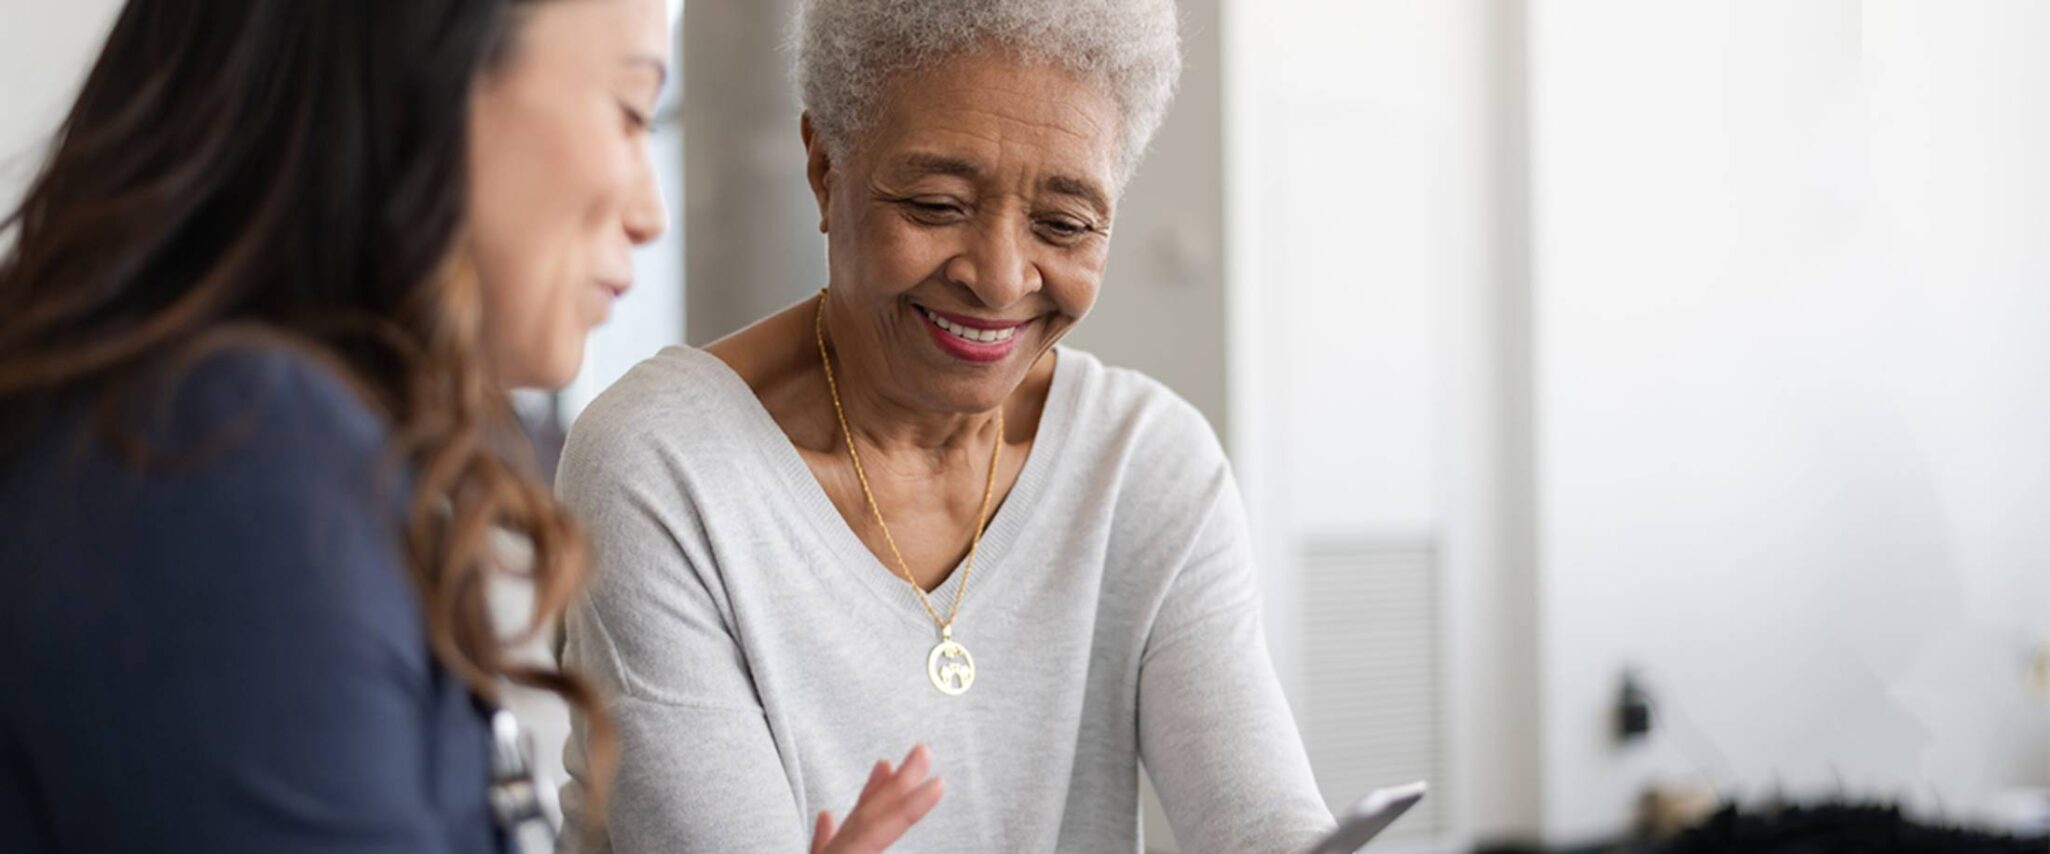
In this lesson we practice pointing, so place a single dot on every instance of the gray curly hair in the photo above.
(847, 51)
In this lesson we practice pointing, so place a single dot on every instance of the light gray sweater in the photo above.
(760, 659)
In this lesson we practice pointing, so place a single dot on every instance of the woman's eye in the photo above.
(935, 211)
(1063, 229)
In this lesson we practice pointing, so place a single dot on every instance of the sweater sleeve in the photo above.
(1215, 733)
(699, 768)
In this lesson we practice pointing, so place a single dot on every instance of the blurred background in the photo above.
(1642, 405)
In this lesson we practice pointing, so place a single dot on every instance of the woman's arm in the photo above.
(699, 769)
(1215, 733)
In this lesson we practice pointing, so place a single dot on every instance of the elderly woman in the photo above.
(900, 514)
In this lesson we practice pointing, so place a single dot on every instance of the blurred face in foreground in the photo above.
(561, 187)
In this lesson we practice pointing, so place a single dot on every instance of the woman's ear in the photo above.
(818, 168)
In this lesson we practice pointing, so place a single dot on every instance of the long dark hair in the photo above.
(295, 171)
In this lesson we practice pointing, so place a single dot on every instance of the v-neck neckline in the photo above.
(846, 546)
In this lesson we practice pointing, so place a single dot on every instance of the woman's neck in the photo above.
(905, 430)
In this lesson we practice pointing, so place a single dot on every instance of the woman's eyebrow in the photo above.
(924, 163)
(1080, 188)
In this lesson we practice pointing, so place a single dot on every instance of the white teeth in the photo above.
(980, 336)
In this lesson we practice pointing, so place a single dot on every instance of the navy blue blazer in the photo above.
(223, 653)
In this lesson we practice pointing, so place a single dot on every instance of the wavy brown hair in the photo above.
(294, 172)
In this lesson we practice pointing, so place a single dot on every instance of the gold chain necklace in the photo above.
(949, 666)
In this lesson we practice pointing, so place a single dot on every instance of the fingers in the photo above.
(919, 802)
(891, 791)
(822, 832)
(884, 827)
(890, 805)
(885, 787)
(916, 764)
(876, 777)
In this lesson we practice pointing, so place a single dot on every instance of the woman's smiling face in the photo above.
(967, 229)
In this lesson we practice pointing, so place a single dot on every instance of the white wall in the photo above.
(1356, 145)
(1792, 395)
(1381, 155)
(45, 51)
(748, 211)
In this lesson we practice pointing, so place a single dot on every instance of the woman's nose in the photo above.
(645, 217)
(996, 266)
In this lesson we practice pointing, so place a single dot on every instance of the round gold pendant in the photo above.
(950, 667)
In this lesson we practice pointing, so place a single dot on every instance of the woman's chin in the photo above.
(546, 374)
(970, 397)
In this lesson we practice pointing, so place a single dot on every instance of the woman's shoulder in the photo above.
(221, 441)
(1129, 412)
(258, 469)
(216, 409)
(681, 406)
(276, 398)
(675, 379)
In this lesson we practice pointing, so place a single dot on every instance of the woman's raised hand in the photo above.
(890, 804)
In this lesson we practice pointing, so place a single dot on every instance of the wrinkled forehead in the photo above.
(991, 119)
